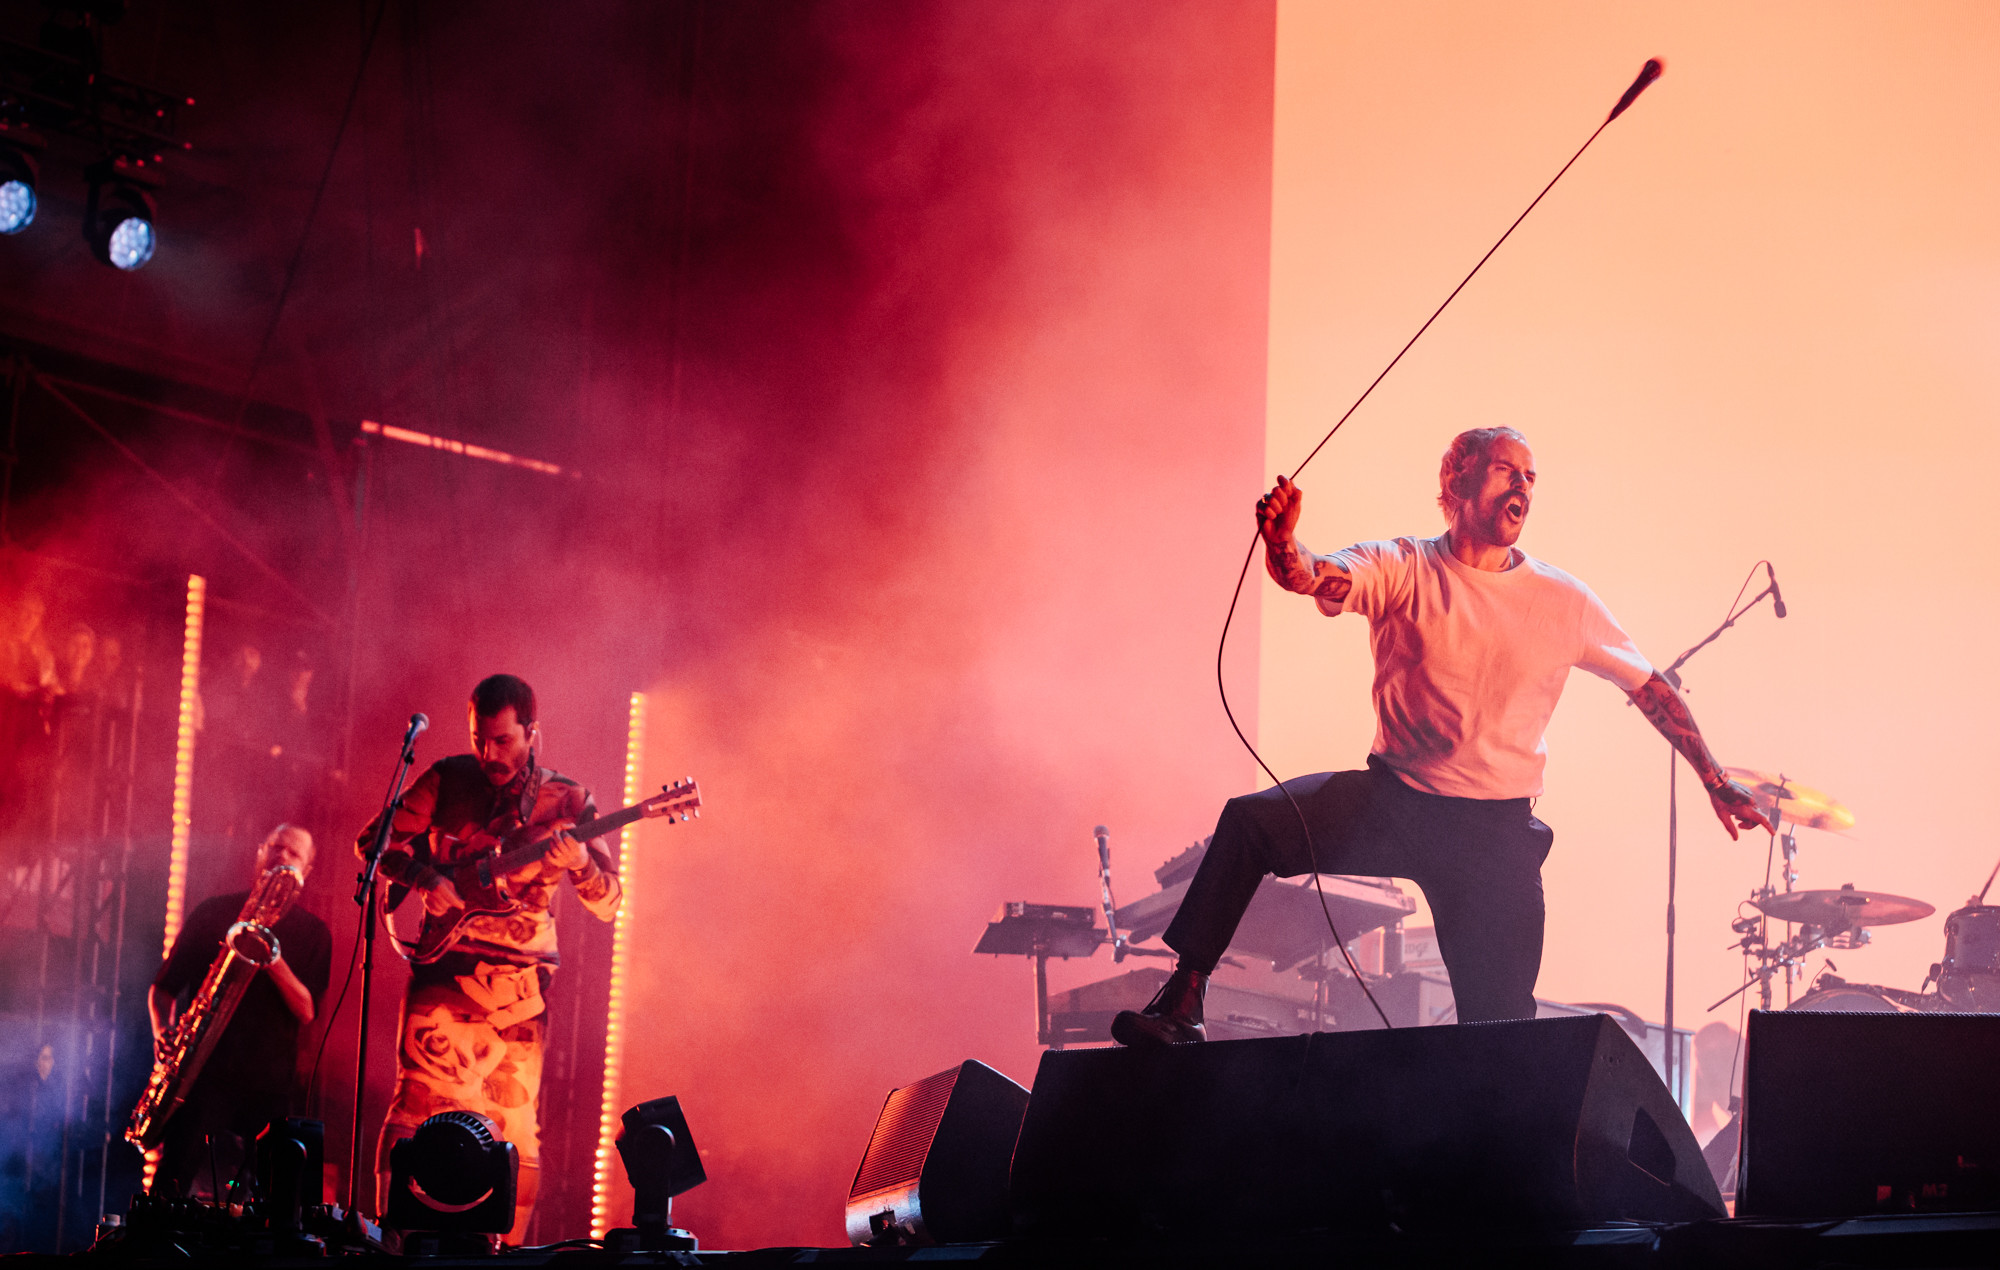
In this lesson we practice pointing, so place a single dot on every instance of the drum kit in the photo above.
(1967, 980)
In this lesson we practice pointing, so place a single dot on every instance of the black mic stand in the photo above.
(1672, 675)
(365, 896)
(1121, 947)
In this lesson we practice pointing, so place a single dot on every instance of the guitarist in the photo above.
(473, 1021)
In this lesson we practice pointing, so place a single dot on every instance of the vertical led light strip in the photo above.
(614, 1020)
(184, 733)
(177, 862)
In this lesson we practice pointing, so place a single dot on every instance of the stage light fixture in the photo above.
(454, 1174)
(661, 1161)
(118, 216)
(17, 188)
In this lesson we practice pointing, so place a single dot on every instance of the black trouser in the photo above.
(1478, 861)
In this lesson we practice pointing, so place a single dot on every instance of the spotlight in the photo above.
(118, 217)
(660, 1161)
(17, 187)
(454, 1174)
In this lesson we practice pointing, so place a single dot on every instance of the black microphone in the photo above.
(1103, 837)
(419, 723)
(1647, 74)
(1777, 596)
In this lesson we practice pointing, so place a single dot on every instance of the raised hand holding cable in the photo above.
(1291, 565)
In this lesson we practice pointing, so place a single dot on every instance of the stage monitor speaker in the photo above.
(1542, 1123)
(935, 1170)
(1848, 1114)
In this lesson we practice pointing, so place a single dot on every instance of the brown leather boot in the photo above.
(1172, 1018)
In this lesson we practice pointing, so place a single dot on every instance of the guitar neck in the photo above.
(528, 853)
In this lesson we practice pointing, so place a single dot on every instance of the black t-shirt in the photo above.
(259, 1050)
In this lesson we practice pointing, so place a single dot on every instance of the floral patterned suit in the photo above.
(473, 1021)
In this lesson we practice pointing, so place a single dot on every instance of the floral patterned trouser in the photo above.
(464, 1046)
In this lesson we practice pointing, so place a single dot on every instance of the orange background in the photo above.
(1758, 319)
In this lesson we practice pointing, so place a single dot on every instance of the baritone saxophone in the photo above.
(249, 947)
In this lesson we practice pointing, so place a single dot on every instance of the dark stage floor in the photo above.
(1917, 1240)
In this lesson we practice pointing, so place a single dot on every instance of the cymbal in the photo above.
(1800, 804)
(1847, 907)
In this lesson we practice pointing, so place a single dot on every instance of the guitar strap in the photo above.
(507, 818)
(531, 789)
(503, 819)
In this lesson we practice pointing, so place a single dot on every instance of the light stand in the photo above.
(364, 895)
(1672, 675)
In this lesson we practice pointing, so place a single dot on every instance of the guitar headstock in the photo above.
(678, 801)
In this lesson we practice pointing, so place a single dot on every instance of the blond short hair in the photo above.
(1466, 455)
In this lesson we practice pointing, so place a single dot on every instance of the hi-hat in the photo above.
(1843, 909)
(1799, 804)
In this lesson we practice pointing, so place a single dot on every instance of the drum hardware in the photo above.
(1969, 976)
(1967, 979)
(1833, 993)
(1824, 919)
(1780, 797)
(1771, 958)
(1822, 923)
(1842, 911)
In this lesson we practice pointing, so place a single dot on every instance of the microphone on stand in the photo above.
(1103, 837)
(419, 724)
(1777, 596)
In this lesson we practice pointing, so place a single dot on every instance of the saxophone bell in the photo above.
(254, 943)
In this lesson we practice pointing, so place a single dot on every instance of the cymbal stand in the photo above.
(1771, 958)
(1788, 850)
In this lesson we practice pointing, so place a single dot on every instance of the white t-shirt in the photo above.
(1469, 664)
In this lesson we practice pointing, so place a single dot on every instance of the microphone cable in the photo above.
(1647, 74)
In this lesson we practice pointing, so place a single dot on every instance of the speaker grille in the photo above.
(903, 1134)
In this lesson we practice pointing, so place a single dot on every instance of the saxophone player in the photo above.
(248, 1079)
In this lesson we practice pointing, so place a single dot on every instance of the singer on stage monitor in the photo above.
(1473, 641)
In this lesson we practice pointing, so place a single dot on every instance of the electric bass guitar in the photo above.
(481, 880)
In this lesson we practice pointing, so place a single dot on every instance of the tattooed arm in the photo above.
(1665, 710)
(1291, 565)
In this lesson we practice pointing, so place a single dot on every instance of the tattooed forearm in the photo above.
(1665, 710)
(1286, 562)
(1296, 569)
